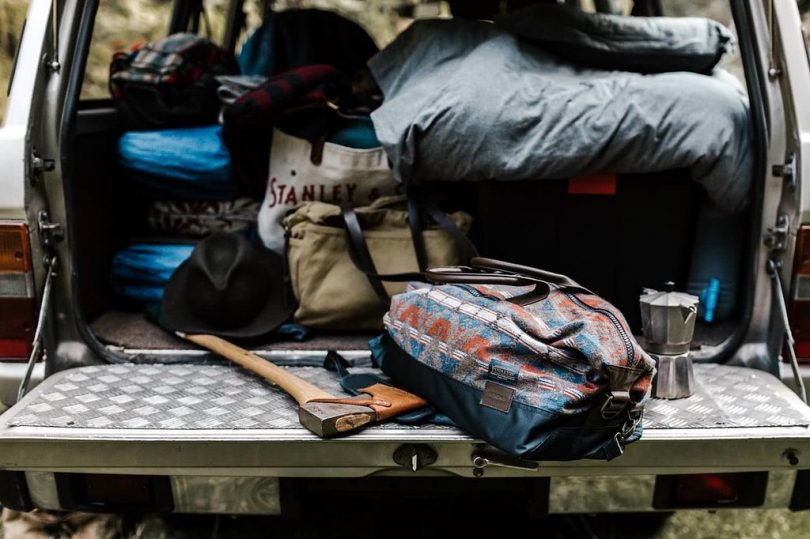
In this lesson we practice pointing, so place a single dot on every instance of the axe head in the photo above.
(329, 419)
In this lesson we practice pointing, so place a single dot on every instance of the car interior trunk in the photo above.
(615, 235)
(615, 244)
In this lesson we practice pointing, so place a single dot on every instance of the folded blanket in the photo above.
(191, 163)
(465, 100)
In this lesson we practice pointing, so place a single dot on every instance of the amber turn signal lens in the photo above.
(17, 304)
(15, 253)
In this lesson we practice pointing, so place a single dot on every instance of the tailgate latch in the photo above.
(777, 235)
(49, 233)
(787, 170)
(39, 165)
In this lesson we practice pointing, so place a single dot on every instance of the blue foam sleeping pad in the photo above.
(141, 270)
(190, 163)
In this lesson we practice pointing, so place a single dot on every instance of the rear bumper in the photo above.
(228, 434)
(552, 495)
(293, 453)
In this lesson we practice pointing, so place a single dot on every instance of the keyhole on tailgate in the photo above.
(415, 456)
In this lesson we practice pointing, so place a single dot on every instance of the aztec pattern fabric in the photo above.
(200, 218)
(528, 379)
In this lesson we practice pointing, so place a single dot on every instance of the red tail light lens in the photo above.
(710, 490)
(705, 488)
(17, 309)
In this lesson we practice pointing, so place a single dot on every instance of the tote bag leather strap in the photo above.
(361, 256)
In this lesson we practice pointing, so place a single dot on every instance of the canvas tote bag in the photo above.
(301, 172)
(331, 290)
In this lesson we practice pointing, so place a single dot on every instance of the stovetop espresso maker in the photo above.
(668, 319)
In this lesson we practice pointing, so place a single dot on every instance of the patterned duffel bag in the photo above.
(527, 360)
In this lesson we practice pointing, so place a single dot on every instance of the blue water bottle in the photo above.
(715, 266)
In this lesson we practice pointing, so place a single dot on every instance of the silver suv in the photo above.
(60, 221)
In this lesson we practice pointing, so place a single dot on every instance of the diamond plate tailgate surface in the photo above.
(190, 397)
(185, 397)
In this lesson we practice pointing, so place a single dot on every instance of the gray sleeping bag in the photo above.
(465, 100)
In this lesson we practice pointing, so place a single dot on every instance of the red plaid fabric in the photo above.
(261, 107)
(176, 59)
(250, 120)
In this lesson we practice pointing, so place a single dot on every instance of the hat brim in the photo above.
(179, 316)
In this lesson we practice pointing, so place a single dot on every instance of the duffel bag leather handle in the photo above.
(472, 275)
(528, 271)
(488, 271)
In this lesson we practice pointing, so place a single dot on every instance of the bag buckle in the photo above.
(615, 403)
(633, 419)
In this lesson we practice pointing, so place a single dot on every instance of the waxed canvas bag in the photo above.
(540, 367)
(331, 290)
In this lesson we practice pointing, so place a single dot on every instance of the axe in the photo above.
(318, 411)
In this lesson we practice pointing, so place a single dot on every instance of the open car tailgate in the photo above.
(220, 421)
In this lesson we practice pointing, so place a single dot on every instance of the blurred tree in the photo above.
(12, 15)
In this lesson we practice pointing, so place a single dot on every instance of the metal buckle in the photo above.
(614, 404)
(633, 419)
(619, 442)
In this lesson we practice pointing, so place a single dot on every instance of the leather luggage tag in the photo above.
(497, 396)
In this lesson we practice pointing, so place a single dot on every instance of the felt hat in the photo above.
(228, 287)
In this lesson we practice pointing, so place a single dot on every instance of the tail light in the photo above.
(17, 301)
(706, 488)
(710, 490)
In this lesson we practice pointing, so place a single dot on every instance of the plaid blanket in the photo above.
(169, 83)
(180, 59)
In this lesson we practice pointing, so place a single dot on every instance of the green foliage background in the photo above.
(12, 14)
(122, 23)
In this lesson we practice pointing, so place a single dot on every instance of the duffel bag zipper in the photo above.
(628, 344)
(477, 293)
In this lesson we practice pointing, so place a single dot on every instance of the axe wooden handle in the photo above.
(299, 389)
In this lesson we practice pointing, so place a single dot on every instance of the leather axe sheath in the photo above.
(318, 411)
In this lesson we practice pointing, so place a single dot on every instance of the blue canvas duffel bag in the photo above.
(527, 360)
